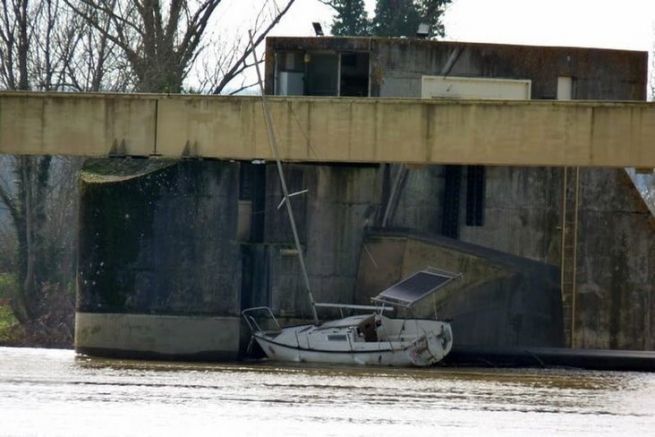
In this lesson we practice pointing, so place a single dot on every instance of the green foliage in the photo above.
(395, 18)
(402, 17)
(431, 12)
(8, 323)
(8, 326)
(392, 17)
(351, 18)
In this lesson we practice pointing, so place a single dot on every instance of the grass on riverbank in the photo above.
(10, 329)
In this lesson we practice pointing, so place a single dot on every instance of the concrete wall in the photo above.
(159, 251)
(151, 336)
(313, 129)
(598, 74)
(616, 238)
(523, 205)
(341, 201)
(615, 300)
(157, 238)
(213, 277)
(501, 300)
(522, 213)
(164, 239)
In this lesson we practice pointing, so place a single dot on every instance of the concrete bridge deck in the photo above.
(311, 129)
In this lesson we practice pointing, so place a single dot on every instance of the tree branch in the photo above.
(232, 72)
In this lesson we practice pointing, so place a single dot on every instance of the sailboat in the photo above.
(368, 339)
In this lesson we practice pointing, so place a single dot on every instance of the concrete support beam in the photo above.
(311, 129)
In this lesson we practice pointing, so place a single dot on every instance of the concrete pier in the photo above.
(160, 265)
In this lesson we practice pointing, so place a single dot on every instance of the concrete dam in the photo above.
(174, 250)
(555, 242)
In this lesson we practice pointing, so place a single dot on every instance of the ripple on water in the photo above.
(54, 392)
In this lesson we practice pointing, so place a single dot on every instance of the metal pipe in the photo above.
(563, 229)
(563, 258)
(355, 307)
(273, 143)
(575, 254)
(392, 195)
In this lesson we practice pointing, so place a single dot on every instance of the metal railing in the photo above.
(252, 322)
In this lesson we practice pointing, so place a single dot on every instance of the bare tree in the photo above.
(159, 43)
(15, 35)
(232, 63)
(162, 42)
(90, 45)
(96, 62)
(43, 46)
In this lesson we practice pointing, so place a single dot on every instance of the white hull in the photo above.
(407, 342)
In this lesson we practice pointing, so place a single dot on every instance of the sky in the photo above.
(625, 24)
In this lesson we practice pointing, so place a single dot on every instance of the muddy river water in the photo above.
(56, 393)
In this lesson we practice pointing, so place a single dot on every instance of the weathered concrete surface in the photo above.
(522, 213)
(332, 217)
(156, 336)
(522, 218)
(343, 201)
(397, 65)
(615, 299)
(501, 301)
(331, 130)
(158, 238)
(615, 292)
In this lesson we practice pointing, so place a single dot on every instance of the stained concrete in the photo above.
(342, 204)
(341, 201)
(197, 256)
(323, 130)
(157, 238)
(501, 300)
(157, 337)
(616, 265)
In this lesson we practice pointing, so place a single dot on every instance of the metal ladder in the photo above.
(569, 243)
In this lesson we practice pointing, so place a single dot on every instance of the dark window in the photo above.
(450, 204)
(354, 74)
(475, 191)
(322, 73)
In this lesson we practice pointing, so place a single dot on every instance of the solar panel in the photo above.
(415, 287)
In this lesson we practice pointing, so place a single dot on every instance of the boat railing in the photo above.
(252, 322)
(341, 307)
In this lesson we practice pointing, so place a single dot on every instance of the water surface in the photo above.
(56, 393)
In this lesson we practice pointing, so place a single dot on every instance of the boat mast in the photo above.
(272, 141)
